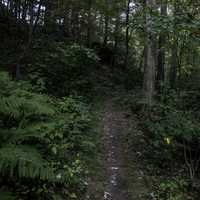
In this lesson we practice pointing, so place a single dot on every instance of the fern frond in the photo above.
(15, 107)
(38, 108)
(26, 160)
(36, 131)
(10, 106)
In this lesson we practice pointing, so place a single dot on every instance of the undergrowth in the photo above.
(167, 141)
(45, 144)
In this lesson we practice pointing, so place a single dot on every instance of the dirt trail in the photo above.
(124, 179)
(120, 176)
(114, 124)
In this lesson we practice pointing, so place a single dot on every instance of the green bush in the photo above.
(62, 69)
(169, 139)
(43, 143)
(175, 136)
(173, 189)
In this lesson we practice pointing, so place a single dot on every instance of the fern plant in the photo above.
(18, 111)
(42, 140)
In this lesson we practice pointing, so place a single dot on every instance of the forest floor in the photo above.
(115, 123)
(121, 177)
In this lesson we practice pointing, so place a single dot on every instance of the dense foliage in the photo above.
(168, 139)
(57, 55)
(43, 142)
(57, 65)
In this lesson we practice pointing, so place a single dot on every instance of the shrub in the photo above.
(62, 69)
(43, 143)
(175, 135)
(171, 190)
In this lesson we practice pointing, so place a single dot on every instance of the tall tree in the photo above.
(149, 71)
(174, 62)
(106, 23)
(89, 15)
(174, 48)
(127, 33)
(116, 38)
(161, 50)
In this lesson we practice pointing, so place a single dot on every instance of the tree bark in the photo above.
(37, 16)
(174, 59)
(127, 33)
(89, 23)
(161, 52)
(106, 31)
(116, 39)
(49, 20)
(149, 70)
(106, 23)
(174, 62)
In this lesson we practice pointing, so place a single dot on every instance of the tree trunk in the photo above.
(116, 39)
(49, 20)
(19, 9)
(15, 9)
(106, 23)
(106, 31)
(89, 23)
(149, 70)
(11, 5)
(174, 62)
(161, 52)
(174, 59)
(37, 16)
(127, 34)
(31, 13)
(24, 11)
